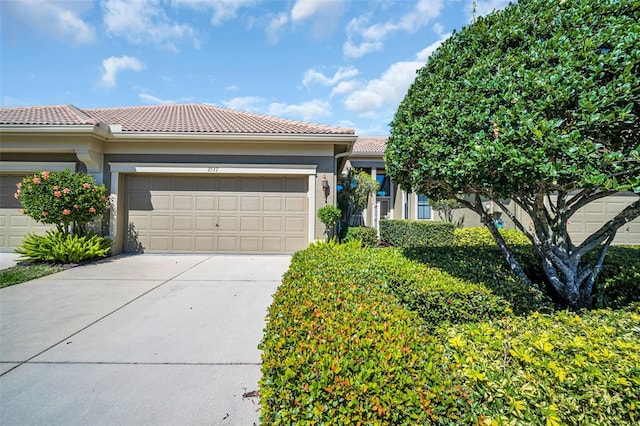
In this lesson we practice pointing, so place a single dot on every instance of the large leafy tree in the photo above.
(538, 104)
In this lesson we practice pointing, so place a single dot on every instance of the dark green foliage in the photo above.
(618, 284)
(368, 235)
(538, 104)
(340, 347)
(59, 247)
(329, 215)
(484, 266)
(416, 233)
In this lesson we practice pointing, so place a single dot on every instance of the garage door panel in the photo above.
(227, 203)
(228, 184)
(183, 202)
(275, 185)
(272, 224)
(206, 202)
(250, 204)
(250, 223)
(251, 184)
(250, 244)
(273, 204)
(160, 202)
(182, 223)
(294, 224)
(218, 214)
(294, 205)
(13, 224)
(160, 222)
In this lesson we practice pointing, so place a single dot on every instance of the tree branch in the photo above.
(627, 215)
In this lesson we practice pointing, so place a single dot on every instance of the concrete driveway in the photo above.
(137, 340)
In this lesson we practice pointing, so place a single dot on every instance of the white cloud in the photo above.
(144, 21)
(62, 20)
(388, 90)
(113, 65)
(324, 12)
(345, 87)
(150, 99)
(308, 111)
(276, 27)
(232, 88)
(485, 7)
(246, 103)
(363, 38)
(222, 10)
(314, 76)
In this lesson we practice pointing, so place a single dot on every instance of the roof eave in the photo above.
(254, 137)
(61, 129)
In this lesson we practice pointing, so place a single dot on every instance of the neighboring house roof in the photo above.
(46, 115)
(186, 118)
(370, 145)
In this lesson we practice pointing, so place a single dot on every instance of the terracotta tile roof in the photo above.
(370, 144)
(187, 118)
(46, 115)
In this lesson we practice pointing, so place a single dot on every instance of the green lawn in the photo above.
(21, 273)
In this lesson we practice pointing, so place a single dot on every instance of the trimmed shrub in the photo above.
(59, 247)
(482, 236)
(547, 369)
(618, 283)
(485, 266)
(416, 233)
(340, 347)
(368, 235)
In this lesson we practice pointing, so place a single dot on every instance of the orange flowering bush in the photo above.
(65, 199)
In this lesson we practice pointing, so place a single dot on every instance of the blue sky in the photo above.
(346, 63)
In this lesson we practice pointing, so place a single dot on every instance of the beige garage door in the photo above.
(592, 216)
(13, 225)
(202, 214)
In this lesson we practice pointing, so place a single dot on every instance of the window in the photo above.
(424, 209)
(384, 189)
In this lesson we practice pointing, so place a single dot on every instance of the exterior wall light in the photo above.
(326, 189)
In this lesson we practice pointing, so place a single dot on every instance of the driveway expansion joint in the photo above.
(103, 317)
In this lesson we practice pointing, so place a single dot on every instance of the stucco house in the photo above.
(393, 202)
(182, 178)
(197, 178)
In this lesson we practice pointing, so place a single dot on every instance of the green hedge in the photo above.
(416, 233)
(560, 369)
(485, 266)
(618, 283)
(368, 235)
(340, 347)
(482, 236)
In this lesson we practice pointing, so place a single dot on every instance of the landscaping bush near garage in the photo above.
(367, 235)
(341, 347)
(481, 236)
(416, 233)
